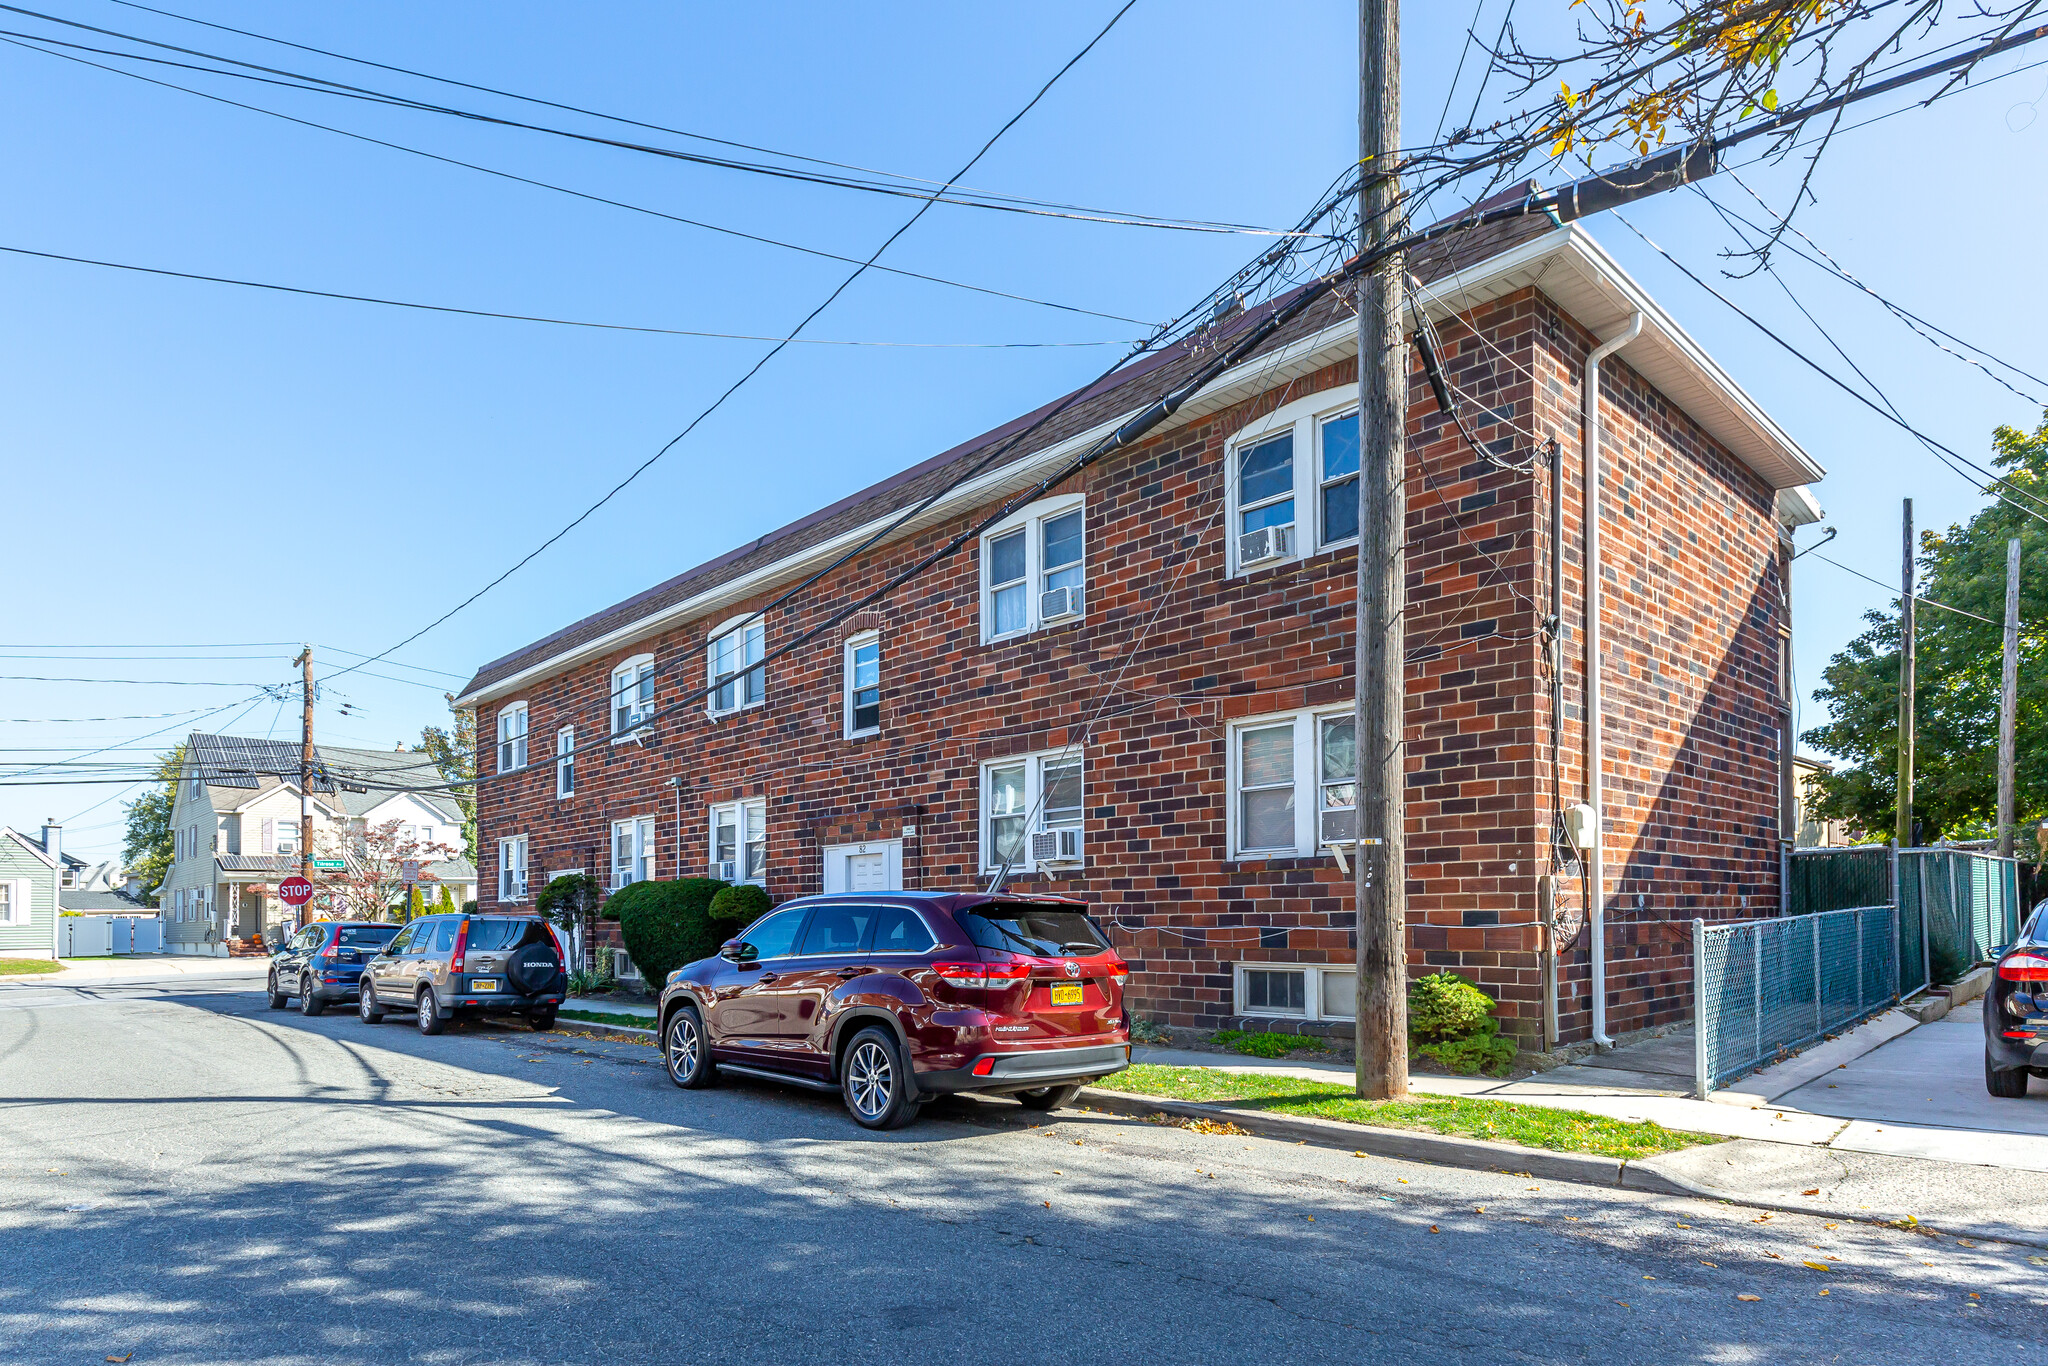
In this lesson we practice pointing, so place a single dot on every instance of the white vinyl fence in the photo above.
(95, 936)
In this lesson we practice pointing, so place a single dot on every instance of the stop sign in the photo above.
(295, 891)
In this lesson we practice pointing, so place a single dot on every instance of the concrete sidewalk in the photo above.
(140, 965)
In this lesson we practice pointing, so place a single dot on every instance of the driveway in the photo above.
(1922, 1095)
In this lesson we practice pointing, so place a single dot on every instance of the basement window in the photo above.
(1304, 992)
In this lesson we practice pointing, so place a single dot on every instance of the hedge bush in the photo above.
(742, 904)
(668, 924)
(1445, 1006)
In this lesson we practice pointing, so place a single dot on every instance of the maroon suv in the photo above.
(894, 998)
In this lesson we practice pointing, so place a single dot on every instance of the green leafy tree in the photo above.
(148, 845)
(453, 751)
(1956, 677)
(668, 924)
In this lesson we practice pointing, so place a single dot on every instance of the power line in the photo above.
(358, 654)
(576, 194)
(756, 368)
(1894, 588)
(140, 682)
(293, 80)
(532, 318)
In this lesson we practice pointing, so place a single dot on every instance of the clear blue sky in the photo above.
(196, 465)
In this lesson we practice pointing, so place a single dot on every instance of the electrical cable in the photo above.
(576, 194)
(1894, 588)
(292, 80)
(533, 318)
(140, 682)
(755, 369)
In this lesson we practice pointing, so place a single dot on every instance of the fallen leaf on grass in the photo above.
(1814, 1191)
(1749, 1299)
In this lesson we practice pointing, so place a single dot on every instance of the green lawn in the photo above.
(607, 1018)
(1531, 1126)
(21, 967)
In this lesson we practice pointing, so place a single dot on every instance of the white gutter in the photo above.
(1589, 430)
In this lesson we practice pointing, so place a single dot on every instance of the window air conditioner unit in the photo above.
(1337, 827)
(622, 964)
(1267, 543)
(726, 871)
(1056, 846)
(1056, 603)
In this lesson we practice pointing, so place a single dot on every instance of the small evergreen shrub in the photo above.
(1266, 1045)
(742, 904)
(1445, 1006)
(668, 924)
(565, 900)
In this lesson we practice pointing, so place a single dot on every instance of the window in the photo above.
(1036, 928)
(511, 737)
(1293, 784)
(1034, 568)
(898, 930)
(1293, 485)
(286, 836)
(839, 930)
(863, 685)
(512, 869)
(231, 833)
(1025, 796)
(729, 653)
(739, 842)
(565, 762)
(632, 693)
(14, 901)
(774, 936)
(632, 851)
(1308, 992)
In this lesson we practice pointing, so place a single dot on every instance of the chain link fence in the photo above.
(1764, 987)
(1961, 904)
(1838, 879)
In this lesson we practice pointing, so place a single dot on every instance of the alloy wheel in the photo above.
(870, 1079)
(685, 1049)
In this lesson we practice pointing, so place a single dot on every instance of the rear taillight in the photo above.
(981, 975)
(461, 945)
(2024, 967)
(1119, 970)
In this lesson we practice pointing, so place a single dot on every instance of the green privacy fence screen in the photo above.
(1836, 879)
(1764, 987)
(1965, 902)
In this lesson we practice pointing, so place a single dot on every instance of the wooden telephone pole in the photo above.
(2008, 696)
(1903, 831)
(1380, 873)
(305, 663)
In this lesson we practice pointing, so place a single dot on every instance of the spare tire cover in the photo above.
(532, 968)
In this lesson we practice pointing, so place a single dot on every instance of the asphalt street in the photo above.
(189, 1177)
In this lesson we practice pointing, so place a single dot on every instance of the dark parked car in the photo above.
(320, 964)
(443, 967)
(892, 999)
(2016, 1010)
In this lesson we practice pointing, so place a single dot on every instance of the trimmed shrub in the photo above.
(668, 924)
(1445, 1006)
(565, 900)
(742, 904)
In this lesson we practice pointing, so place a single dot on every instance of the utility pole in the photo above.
(2008, 696)
(305, 663)
(1380, 876)
(1903, 830)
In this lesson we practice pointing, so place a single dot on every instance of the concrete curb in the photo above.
(1443, 1150)
(594, 1029)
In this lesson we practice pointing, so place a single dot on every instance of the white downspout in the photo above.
(1596, 760)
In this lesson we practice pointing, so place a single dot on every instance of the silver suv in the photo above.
(447, 966)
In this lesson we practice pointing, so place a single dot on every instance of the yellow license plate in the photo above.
(484, 984)
(1067, 994)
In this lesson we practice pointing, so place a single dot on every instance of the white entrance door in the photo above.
(876, 866)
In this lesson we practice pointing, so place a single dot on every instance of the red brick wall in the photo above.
(1172, 650)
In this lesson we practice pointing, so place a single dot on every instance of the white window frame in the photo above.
(1031, 520)
(748, 637)
(634, 681)
(749, 822)
(1037, 820)
(1308, 780)
(1305, 418)
(278, 838)
(19, 910)
(514, 721)
(565, 762)
(635, 835)
(1313, 989)
(855, 644)
(512, 857)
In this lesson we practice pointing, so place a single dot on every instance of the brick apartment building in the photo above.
(1146, 661)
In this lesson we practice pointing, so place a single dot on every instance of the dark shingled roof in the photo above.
(1137, 384)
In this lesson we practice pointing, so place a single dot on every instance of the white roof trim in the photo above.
(25, 842)
(1567, 264)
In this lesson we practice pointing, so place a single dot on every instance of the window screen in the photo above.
(1267, 989)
